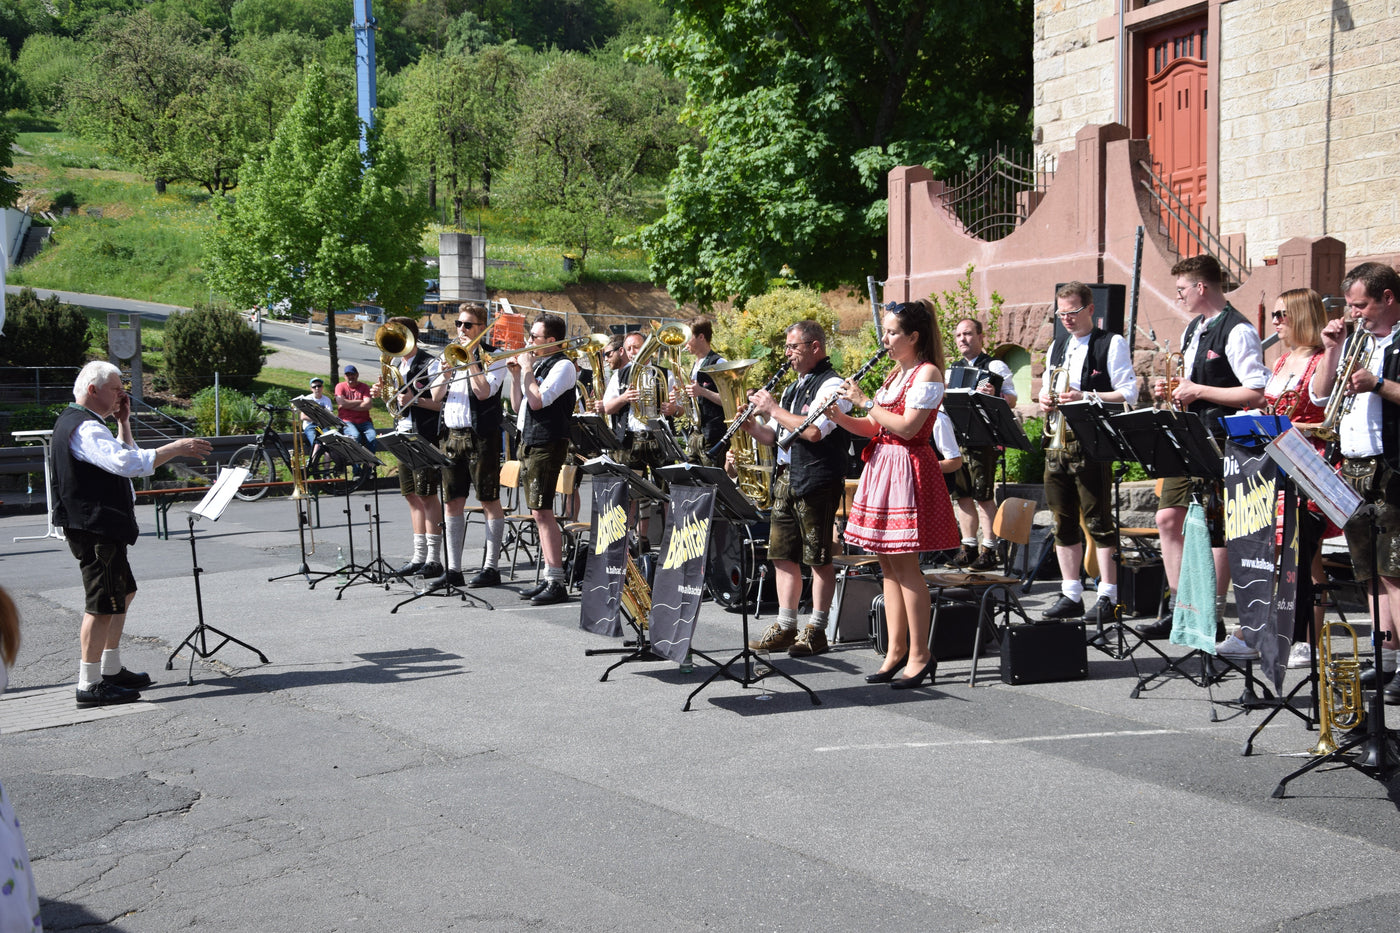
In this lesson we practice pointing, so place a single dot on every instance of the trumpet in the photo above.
(1053, 431)
(1339, 402)
(1286, 403)
(1176, 369)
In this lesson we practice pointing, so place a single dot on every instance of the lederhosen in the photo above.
(545, 437)
(478, 443)
(1074, 486)
(807, 491)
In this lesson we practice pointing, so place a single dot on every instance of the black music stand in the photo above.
(592, 435)
(731, 506)
(640, 490)
(319, 415)
(1171, 443)
(670, 450)
(1101, 440)
(211, 506)
(416, 453)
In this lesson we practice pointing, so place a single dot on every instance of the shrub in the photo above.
(758, 330)
(43, 333)
(237, 412)
(1027, 466)
(205, 341)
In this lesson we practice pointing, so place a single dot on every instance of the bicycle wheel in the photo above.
(258, 463)
(334, 478)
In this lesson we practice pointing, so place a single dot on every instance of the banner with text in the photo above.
(1250, 513)
(680, 577)
(607, 566)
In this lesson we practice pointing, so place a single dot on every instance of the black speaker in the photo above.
(1109, 303)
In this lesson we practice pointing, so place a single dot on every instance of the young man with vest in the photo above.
(1224, 372)
(702, 388)
(472, 421)
(1369, 440)
(1098, 365)
(421, 416)
(809, 483)
(96, 508)
(975, 481)
(542, 391)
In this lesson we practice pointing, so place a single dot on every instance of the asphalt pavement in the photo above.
(454, 766)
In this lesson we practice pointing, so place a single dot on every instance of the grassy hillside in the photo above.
(121, 238)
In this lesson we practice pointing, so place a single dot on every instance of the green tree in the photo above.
(589, 130)
(161, 94)
(43, 332)
(314, 224)
(49, 64)
(804, 107)
(454, 119)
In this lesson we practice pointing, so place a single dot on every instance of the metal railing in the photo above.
(993, 199)
(1188, 233)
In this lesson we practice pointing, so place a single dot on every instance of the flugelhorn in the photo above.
(816, 411)
(1053, 430)
(1339, 697)
(1339, 402)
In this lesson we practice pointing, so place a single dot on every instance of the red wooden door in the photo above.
(1177, 95)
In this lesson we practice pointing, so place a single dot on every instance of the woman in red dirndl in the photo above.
(902, 506)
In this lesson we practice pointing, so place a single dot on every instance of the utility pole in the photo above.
(365, 91)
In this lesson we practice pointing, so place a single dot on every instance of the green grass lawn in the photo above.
(121, 238)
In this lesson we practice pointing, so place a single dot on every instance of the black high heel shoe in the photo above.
(909, 683)
(884, 677)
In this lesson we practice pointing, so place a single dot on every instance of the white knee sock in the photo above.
(420, 548)
(495, 530)
(434, 549)
(111, 662)
(456, 537)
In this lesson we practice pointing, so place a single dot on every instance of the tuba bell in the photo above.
(754, 460)
(651, 391)
(394, 342)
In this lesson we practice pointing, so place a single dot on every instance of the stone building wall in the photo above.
(1074, 83)
(1308, 124)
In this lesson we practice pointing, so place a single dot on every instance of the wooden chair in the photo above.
(521, 531)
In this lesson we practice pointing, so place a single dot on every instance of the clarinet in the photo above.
(747, 413)
(787, 440)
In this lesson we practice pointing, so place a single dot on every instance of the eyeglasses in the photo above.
(1182, 291)
(1069, 312)
(539, 336)
(1280, 316)
(797, 346)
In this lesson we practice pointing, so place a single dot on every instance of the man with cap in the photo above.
(319, 396)
(355, 400)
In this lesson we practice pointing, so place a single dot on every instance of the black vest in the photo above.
(816, 465)
(485, 414)
(1214, 370)
(552, 422)
(712, 424)
(89, 498)
(1094, 377)
(1390, 412)
(426, 422)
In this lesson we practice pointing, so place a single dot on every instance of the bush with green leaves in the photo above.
(759, 329)
(44, 332)
(238, 413)
(961, 301)
(1027, 466)
(205, 341)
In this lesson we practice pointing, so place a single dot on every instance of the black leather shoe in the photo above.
(105, 694)
(552, 593)
(130, 680)
(1101, 613)
(909, 683)
(1162, 628)
(489, 576)
(884, 677)
(410, 568)
(1391, 695)
(432, 570)
(1065, 608)
(535, 590)
(450, 578)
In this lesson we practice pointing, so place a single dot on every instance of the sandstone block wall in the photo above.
(1074, 83)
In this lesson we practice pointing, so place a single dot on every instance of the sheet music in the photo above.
(1296, 455)
(219, 494)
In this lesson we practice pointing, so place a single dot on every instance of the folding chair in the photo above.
(521, 531)
(990, 593)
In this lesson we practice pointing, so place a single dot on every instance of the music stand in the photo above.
(982, 420)
(640, 489)
(211, 506)
(415, 452)
(319, 415)
(1171, 443)
(592, 435)
(670, 450)
(733, 507)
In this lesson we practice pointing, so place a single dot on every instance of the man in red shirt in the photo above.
(354, 400)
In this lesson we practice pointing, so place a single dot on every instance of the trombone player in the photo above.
(470, 395)
(1089, 363)
(1368, 434)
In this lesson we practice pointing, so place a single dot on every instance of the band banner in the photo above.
(601, 599)
(680, 577)
(1285, 609)
(1251, 511)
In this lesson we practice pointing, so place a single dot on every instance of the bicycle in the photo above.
(257, 458)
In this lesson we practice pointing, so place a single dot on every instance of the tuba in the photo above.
(593, 349)
(394, 342)
(1339, 701)
(651, 393)
(754, 460)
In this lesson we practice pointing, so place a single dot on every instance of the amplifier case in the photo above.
(1046, 653)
